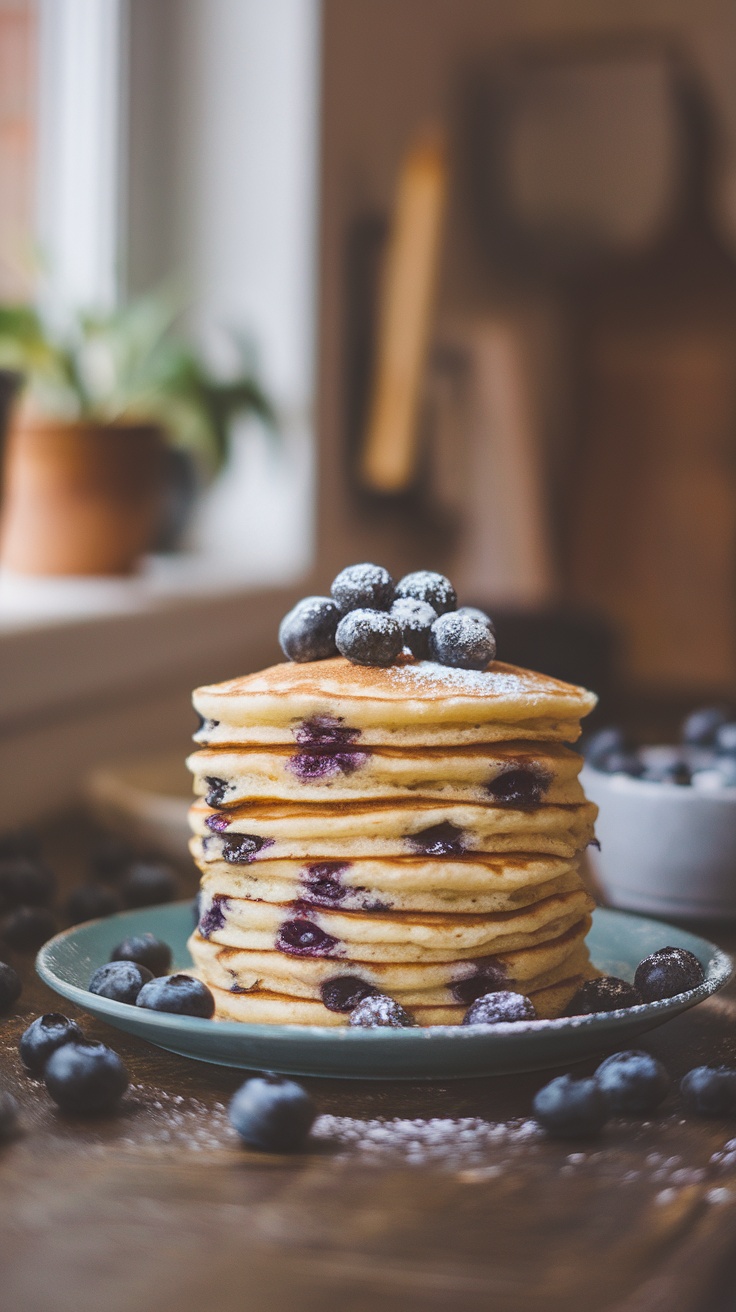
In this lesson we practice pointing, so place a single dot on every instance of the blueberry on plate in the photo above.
(8, 1115)
(609, 993)
(668, 972)
(502, 1005)
(369, 637)
(82, 1076)
(121, 981)
(726, 739)
(667, 772)
(700, 727)
(632, 1082)
(474, 613)
(147, 883)
(361, 587)
(709, 1091)
(146, 950)
(25, 881)
(344, 992)
(44, 1035)
(307, 632)
(10, 986)
(90, 902)
(380, 1012)
(462, 642)
(435, 589)
(570, 1109)
(416, 619)
(179, 994)
(110, 858)
(272, 1114)
(721, 774)
(27, 928)
(623, 762)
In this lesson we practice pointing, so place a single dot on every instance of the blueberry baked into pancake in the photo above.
(391, 814)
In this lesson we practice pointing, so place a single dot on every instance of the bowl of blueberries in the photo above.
(667, 818)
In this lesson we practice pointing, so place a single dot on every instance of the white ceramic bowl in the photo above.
(666, 849)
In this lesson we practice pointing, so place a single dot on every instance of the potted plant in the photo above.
(83, 470)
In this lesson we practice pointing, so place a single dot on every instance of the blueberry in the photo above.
(10, 986)
(569, 1109)
(726, 739)
(146, 950)
(121, 981)
(710, 1091)
(621, 762)
(473, 613)
(110, 857)
(148, 883)
(44, 1035)
(25, 882)
(700, 727)
(8, 1115)
(668, 772)
(20, 842)
(493, 1008)
(609, 993)
(380, 1011)
(632, 1082)
(523, 787)
(178, 994)
(460, 641)
(435, 589)
(416, 619)
(361, 587)
(302, 938)
(26, 928)
(272, 1114)
(307, 633)
(598, 745)
(369, 637)
(345, 992)
(82, 1076)
(668, 972)
(722, 774)
(90, 902)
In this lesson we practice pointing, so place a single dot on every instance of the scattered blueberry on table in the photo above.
(178, 994)
(146, 950)
(11, 986)
(147, 883)
(27, 928)
(85, 1077)
(568, 1108)
(43, 1036)
(121, 981)
(380, 1011)
(371, 621)
(668, 972)
(90, 902)
(709, 1091)
(632, 1082)
(500, 1006)
(25, 881)
(272, 1114)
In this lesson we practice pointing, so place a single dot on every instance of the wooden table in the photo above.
(158, 1207)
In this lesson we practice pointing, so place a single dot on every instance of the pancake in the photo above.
(441, 983)
(515, 774)
(263, 1008)
(387, 829)
(387, 936)
(411, 703)
(321, 885)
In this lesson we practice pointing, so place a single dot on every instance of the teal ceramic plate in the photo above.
(617, 941)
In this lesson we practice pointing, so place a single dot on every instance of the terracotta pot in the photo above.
(79, 498)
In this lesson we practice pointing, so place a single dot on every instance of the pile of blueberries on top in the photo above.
(705, 757)
(370, 620)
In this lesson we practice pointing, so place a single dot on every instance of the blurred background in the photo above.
(435, 283)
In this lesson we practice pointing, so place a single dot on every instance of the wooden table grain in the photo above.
(158, 1208)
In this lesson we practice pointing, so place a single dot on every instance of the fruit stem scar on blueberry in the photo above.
(302, 938)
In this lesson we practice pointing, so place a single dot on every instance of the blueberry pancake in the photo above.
(518, 774)
(445, 982)
(409, 704)
(406, 827)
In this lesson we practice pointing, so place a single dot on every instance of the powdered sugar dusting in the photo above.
(425, 676)
(439, 1141)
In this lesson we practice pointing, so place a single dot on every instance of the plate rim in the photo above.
(722, 970)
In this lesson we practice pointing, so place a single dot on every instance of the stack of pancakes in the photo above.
(413, 830)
